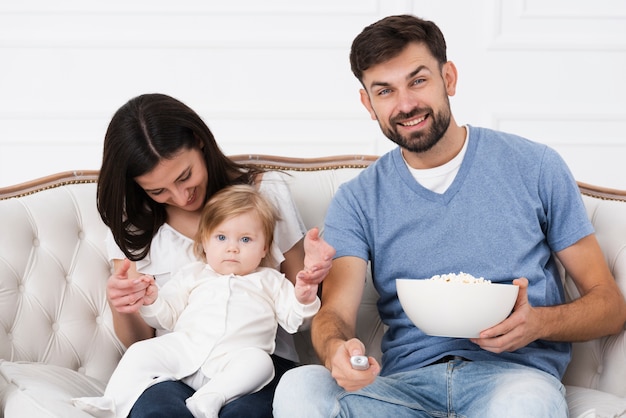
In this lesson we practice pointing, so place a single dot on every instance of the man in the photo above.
(450, 198)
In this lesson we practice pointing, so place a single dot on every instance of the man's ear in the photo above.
(450, 77)
(365, 99)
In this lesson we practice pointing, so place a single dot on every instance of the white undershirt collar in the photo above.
(438, 179)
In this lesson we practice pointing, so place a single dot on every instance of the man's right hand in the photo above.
(343, 372)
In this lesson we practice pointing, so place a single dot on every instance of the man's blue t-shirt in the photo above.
(511, 205)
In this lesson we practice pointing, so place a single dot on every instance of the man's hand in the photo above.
(343, 372)
(518, 330)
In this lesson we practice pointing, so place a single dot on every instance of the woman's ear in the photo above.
(365, 99)
(200, 143)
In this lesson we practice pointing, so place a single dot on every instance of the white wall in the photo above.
(272, 76)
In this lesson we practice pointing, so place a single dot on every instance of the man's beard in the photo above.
(424, 140)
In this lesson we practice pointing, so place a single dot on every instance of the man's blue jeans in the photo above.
(457, 388)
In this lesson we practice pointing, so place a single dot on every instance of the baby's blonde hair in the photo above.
(233, 201)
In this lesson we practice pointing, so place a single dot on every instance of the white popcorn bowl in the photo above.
(452, 309)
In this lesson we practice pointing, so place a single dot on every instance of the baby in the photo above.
(223, 313)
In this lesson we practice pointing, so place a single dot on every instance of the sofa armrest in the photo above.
(600, 364)
(53, 271)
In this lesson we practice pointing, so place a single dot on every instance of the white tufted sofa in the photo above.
(56, 337)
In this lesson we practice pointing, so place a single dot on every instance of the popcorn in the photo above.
(460, 278)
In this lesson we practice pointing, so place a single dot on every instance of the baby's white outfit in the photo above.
(223, 331)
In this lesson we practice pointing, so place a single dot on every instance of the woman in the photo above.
(160, 165)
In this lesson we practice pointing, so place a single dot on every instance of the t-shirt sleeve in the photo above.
(345, 224)
(113, 251)
(290, 229)
(566, 214)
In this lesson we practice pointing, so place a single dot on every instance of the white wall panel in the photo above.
(272, 76)
(593, 146)
(212, 7)
(43, 158)
(559, 24)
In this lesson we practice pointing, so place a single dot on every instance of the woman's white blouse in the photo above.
(171, 250)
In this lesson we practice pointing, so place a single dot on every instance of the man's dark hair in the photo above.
(387, 38)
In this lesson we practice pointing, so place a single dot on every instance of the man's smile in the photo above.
(413, 122)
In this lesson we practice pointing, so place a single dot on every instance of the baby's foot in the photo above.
(100, 407)
(206, 405)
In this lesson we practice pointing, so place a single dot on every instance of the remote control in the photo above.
(359, 362)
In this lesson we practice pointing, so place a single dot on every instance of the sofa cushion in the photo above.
(44, 390)
(590, 403)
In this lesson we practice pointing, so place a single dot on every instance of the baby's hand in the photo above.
(152, 290)
(305, 292)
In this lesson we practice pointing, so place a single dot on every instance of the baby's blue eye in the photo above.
(245, 239)
(221, 237)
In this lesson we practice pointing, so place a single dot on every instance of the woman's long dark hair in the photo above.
(144, 131)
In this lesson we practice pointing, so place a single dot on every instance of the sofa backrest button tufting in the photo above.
(55, 327)
(35, 242)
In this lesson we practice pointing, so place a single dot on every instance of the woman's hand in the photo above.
(318, 258)
(126, 295)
